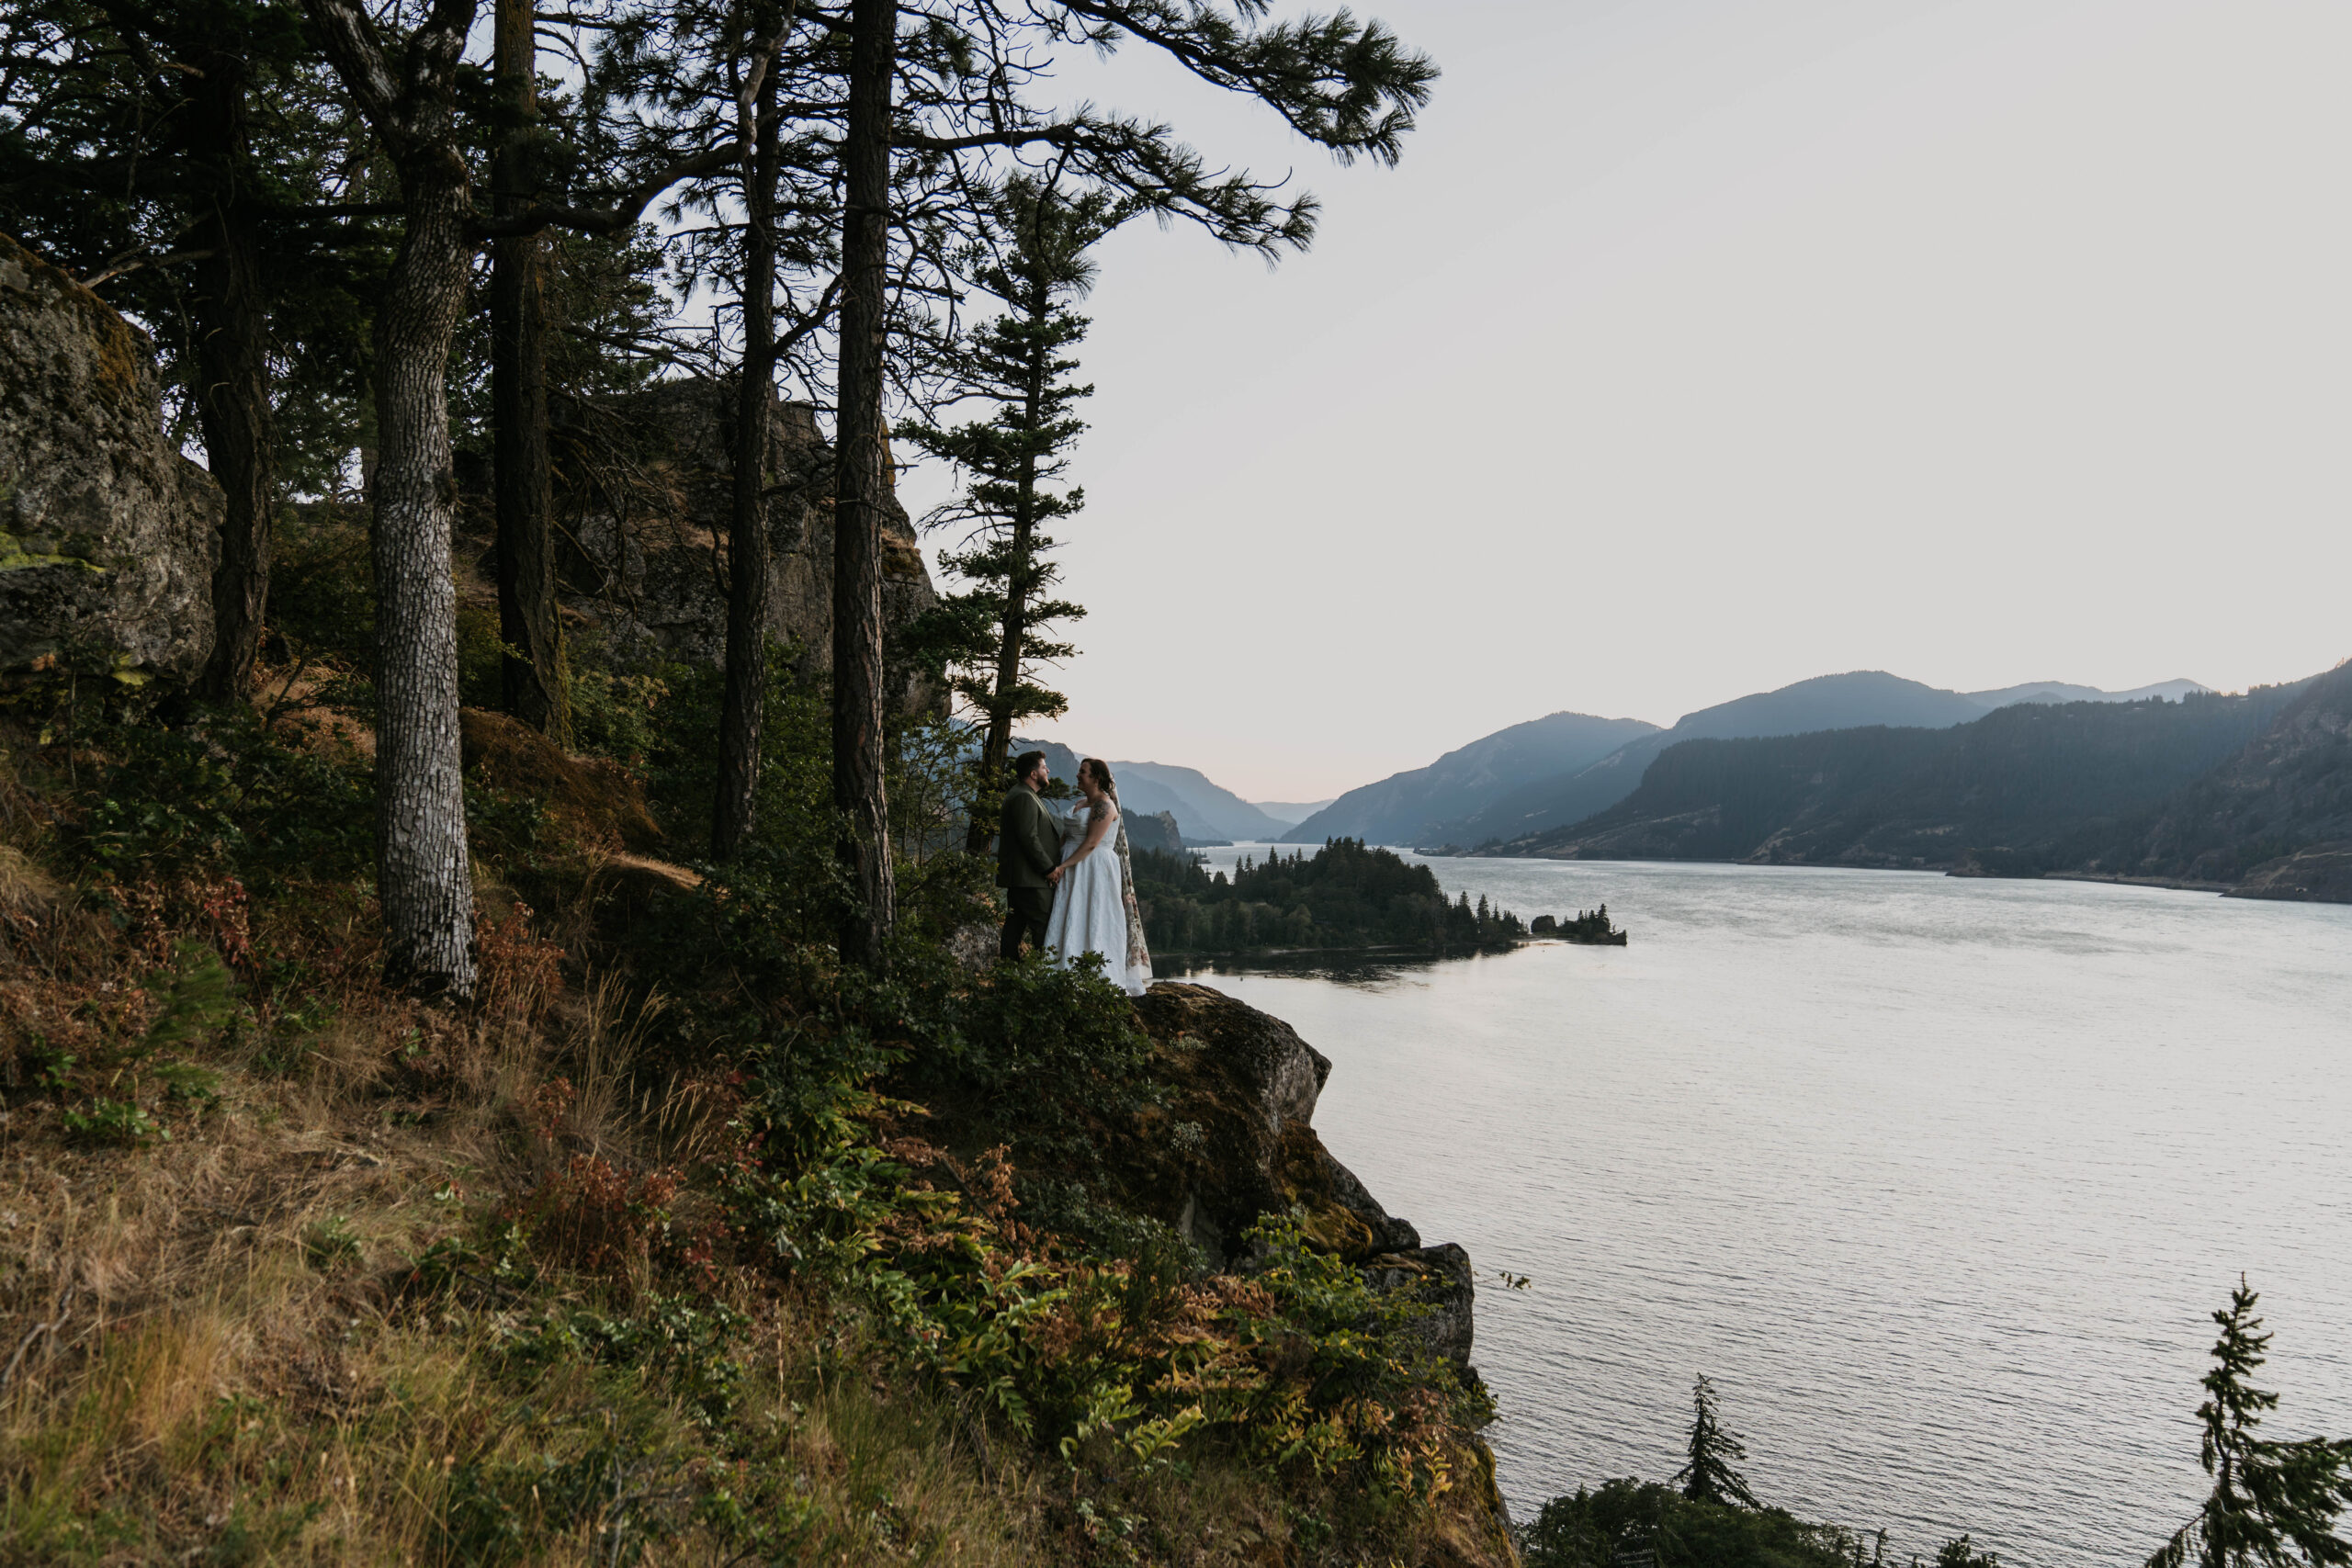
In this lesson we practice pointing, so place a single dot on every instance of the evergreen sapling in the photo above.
(1709, 1477)
(2272, 1503)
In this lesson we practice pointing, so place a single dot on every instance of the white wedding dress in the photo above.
(1091, 913)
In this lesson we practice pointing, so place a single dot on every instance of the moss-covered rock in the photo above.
(107, 535)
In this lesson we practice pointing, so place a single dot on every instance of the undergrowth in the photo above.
(679, 1244)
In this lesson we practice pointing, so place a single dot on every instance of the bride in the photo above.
(1095, 898)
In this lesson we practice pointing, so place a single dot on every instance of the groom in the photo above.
(1028, 856)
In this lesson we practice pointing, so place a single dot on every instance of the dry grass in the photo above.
(191, 1375)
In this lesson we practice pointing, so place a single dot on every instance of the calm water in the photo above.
(1938, 1179)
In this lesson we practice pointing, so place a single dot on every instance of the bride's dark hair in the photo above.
(1102, 777)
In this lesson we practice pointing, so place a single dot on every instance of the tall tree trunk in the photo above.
(423, 874)
(532, 671)
(233, 397)
(744, 703)
(861, 487)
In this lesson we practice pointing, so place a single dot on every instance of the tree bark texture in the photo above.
(232, 408)
(743, 705)
(862, 487)
(532, 670)
(423, 875)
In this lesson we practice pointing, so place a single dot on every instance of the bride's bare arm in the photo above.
(1098, 823)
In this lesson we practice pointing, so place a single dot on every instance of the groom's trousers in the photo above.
(1026, 912)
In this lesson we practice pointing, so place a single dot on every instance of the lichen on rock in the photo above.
(107, 535)
(1236, 1140)
(645, 496)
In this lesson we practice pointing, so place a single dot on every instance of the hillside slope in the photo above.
(2023, 790)
(1408, 807)
(1219, 813)
(1826, 702)
(2276, 818)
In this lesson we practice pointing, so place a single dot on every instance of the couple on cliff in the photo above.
(1069, 883)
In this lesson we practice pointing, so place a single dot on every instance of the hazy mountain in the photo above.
(1405, 807)
(1291, 811)
(1206, 810)
(2028, 788)
(2060, 692)
(1203, 810)
(1826, 702)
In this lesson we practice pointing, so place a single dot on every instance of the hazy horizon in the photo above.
(1696, 349)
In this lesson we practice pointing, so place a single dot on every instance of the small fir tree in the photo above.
(1020, 361)
(2273, 1503)
(1709, 1477)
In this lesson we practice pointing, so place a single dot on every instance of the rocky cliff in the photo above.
(644, 486)
(1236, 1140)
(107, 535)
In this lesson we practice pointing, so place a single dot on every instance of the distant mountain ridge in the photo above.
(2026, 788)
(2250, 792)
(1203, 810)
(1848, 701)
(1404, 808)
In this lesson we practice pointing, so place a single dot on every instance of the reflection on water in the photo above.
(1370, 972)
(1937, 1177)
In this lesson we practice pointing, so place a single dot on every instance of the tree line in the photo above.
(1344, 895)
(347, 227)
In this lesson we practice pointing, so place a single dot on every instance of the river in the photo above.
(1937, 1178)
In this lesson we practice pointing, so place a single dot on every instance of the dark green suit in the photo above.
(1027, 849)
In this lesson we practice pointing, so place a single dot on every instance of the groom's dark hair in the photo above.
(1025, 763)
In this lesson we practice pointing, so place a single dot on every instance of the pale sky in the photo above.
(1698, 346)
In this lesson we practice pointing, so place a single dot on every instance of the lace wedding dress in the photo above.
(1094, 904)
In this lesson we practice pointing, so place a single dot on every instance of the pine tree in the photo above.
(2273, 1503)
(1709, 1477)
(1018, 360)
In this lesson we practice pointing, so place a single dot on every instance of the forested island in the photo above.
(1344, 895)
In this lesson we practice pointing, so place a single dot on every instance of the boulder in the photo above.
(107, 535)
(644, 496)
(1236, 1141)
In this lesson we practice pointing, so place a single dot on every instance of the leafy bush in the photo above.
(122, 1123)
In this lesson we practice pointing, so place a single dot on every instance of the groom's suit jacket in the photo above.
(1026, 845)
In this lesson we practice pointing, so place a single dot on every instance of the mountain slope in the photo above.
(2285, 798)
(1826, 702)
(1403, 808)
(1203, 810)
(2025, 789)
(1218, 812)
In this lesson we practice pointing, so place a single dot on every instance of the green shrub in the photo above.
(122, 1123)
(1593, 1528)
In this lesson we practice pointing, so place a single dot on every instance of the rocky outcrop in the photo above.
(1235, 1140)
(1239, 1142)
(1157, 831)
(107, 535)
(644, 494)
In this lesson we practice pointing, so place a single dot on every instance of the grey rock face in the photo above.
(645, 495)
(1245, 1084)
(107, 535)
